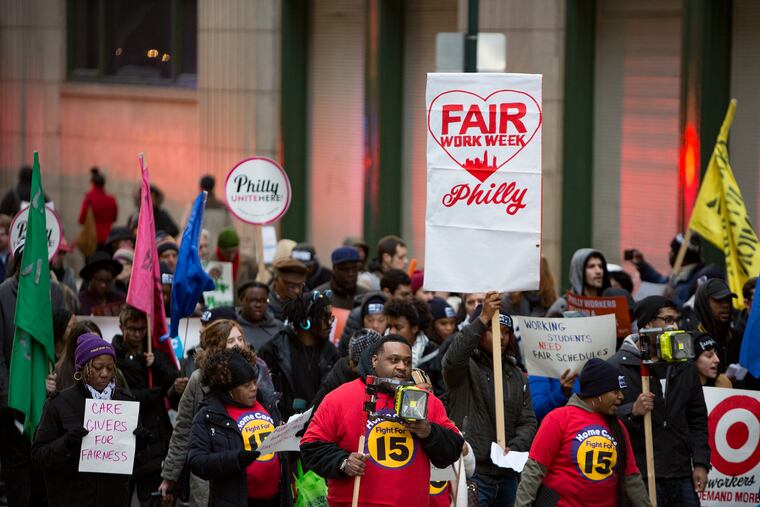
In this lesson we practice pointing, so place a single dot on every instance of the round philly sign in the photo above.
(258, 191)
(52, 224)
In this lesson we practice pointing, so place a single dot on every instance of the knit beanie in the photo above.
(241, 371)
(418, 279)
(124, 254)
(505, 319)
(646, 310)
(373, 306)
(228, 238)
(89, 346)
(703, 343)
(599, 377)
(361, 340)
(440, 309)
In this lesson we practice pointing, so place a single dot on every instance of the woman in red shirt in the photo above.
(581, 455)
(227, 431)
(103, 205)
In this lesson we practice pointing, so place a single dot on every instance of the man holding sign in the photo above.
(468, 371)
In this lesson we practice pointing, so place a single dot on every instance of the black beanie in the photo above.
(646, 310)
(599, 377)
(241, 371)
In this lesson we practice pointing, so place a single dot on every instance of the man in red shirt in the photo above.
(395, 462)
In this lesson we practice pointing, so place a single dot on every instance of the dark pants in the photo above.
(257, 502)
(495, 493)
(676, 493)
(16, 465)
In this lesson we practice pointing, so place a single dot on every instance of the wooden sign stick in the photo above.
(498, 382)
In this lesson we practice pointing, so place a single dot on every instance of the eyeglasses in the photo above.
(136, 330)
(669, 319)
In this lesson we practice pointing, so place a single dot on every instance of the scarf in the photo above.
(106, 394)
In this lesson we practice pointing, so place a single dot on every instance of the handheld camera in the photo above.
(410, 402)
(666, 344)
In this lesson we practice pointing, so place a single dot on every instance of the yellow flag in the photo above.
(721, 218)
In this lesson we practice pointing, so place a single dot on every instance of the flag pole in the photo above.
(150, 349)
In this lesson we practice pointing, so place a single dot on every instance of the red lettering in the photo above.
(507, 194)
(473, 119)
(448, 117)
(514, 118)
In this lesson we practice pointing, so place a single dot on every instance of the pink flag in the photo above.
(145, 281)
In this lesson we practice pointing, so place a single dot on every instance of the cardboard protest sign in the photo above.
(284, 437)
(551, 346)
(109, 447)
(483, 219)
(733, 426)
(617, 306)
(221, 272)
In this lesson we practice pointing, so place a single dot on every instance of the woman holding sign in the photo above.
(58, 441)
(227, 431)
(582, 455)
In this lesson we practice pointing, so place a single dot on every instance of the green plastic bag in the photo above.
(311, 489)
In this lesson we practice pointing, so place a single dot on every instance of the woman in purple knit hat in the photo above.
(59, 436)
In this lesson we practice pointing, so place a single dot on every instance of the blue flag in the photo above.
(750, 353)
(190, 280)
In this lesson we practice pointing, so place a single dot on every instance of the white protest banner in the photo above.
(257, 191)
(483, 218)
(733, 426)
(284, 437)
(17, 230)
(551, 346)
(109, 447)
(221, 273)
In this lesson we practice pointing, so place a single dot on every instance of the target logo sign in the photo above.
(734, 429)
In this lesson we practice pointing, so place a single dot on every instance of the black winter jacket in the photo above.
(66, 486)
(468, 374)
(679, 419)
(278, 356)
(153, 412)
(340, 374)
(215, 443)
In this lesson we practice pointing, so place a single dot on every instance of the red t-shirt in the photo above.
(577, 448)
(255, 424)
(440, 494)
(397, 472)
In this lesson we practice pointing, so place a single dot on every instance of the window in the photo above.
(133, 41)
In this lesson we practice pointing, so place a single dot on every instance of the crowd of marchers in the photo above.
(278, 351)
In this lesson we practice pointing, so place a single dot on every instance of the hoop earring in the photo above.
(306, 326)
(77, 376)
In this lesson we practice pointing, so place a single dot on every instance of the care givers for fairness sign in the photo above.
(483, 218)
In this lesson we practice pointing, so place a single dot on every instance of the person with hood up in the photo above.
(301, 355)
(59, 436)
(345, 261)
(706, 362)
(346, 369)
(229, 427)
(467, 371)
(713, 309)
(582, 454)
(677, 404)
(317, 274)
(217, 336)
(588, 277)
(253, 315)
(395, 469)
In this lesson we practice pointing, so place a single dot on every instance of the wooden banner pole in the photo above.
(498, 382)
(648, 442)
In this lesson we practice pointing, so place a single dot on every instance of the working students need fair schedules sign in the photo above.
(483, 221)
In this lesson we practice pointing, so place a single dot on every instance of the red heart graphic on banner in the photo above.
(482, 134)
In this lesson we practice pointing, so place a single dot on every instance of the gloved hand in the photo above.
(73, 437)
(142, 436)
(245, 458)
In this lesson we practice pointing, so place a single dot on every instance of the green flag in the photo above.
(33, 350)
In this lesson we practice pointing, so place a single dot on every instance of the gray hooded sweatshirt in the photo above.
(577, 276)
